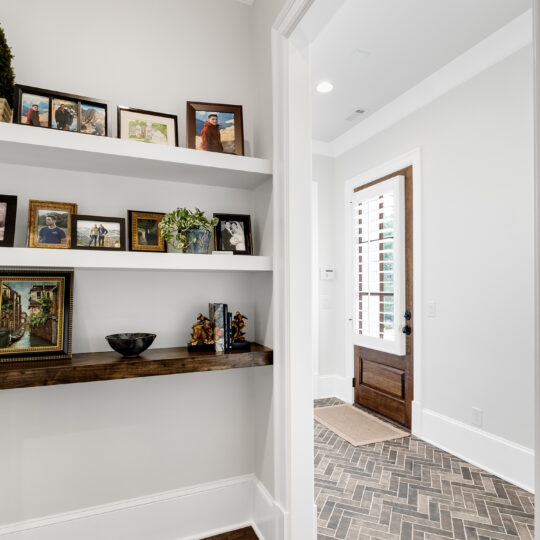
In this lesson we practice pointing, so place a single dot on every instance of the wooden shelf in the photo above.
(88, 367)
(53, 149)
(131, 260)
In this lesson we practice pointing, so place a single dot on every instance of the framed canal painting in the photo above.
(35, 314)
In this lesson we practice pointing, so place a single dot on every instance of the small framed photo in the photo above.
(32, 108)
(215, 127)
(35, 314)
(8, 214)
(65, 114)
(143, 231)
(98, 233)
(56, 110)
(147, 126)
(233, 233)
(49, 224)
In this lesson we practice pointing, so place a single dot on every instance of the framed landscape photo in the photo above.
(147, 126)
(49, 224)
(233, 233)
(98, 233)
(215, 127)
(8, 214)
(35, 314)
(144, 233)
(56, 110)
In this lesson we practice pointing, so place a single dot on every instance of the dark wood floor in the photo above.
(241, 534)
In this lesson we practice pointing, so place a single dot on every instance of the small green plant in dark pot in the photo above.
(188, 231)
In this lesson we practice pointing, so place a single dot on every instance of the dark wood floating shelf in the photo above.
(103, 366)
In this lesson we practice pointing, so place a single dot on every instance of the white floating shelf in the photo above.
(42, 147)
(131, 260)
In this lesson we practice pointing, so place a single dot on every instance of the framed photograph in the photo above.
(35, 314)
(215, 127)
(8, 214)
(233, 233)
(147, 126)
(56, 110)
(49, 224)
(98, 232)
(143, 231)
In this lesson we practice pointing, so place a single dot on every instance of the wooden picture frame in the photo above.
(36, 308)
(229, 226)
(42, 233)
(87, 119)
(139, 239)
(129, 115)
(87, 233)
(198, 114)
(8, 216)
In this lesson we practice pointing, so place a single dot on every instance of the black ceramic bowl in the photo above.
(130, 344)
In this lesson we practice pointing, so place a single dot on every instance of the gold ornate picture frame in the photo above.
(36, 309)
(144, 233)
(49, 224)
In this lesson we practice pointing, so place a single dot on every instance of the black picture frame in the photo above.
(28, 338)
(7, 228)
(51, 95)
(133, 235)
(222, 244)
(192, 107)
(75, 219)
(122, 109)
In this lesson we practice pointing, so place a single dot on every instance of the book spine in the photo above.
(229, 329)
(218, 312)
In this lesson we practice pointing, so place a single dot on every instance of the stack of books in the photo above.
(222, 320)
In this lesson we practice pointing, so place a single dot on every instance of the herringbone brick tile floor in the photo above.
(409, 489)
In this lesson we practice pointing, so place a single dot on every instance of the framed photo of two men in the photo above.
(56, 110)
(215, 127)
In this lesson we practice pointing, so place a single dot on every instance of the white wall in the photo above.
(68, 447)
(149, 55)
(328, 229)
(476, 147)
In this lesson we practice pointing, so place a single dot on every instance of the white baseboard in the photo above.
(508, 460)
(185, 514)
(334, 386)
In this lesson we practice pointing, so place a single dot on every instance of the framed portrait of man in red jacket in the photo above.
(215, 127)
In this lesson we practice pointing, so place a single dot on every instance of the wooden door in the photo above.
(383, 307)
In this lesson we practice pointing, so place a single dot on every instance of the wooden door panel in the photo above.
(384, 381)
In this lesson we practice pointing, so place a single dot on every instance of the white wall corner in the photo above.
(501, 44)
(322, 148)
(186, 514)
(504, 458)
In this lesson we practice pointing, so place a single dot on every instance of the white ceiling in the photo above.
(407, 40)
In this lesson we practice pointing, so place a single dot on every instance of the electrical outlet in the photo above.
(477, 417)
(431, 310)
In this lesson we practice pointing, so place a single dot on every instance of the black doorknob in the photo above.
(407, 330)
(407, 315)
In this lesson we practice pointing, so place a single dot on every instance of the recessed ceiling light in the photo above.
(324, 87)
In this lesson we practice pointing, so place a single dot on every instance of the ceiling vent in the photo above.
(356, 115)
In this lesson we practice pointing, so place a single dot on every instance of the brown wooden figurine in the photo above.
(203, 331)
(237, 325)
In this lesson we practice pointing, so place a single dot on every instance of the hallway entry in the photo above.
(382, 314)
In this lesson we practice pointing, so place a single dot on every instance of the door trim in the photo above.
(412, 158)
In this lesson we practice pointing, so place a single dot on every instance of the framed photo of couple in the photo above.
(233, 233)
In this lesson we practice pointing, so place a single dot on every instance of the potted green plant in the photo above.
(187, 231)
(7, 80)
